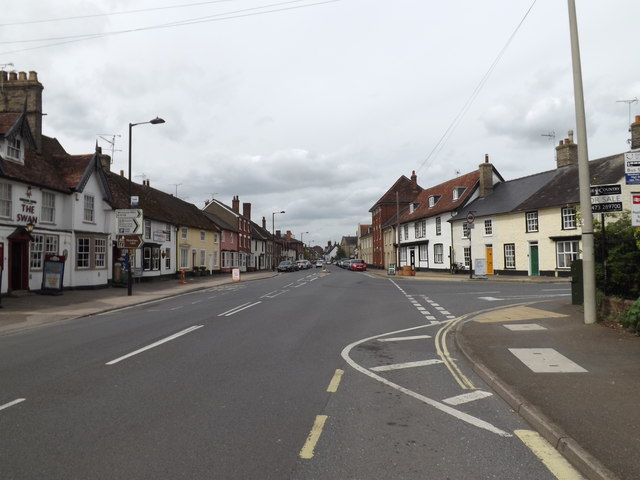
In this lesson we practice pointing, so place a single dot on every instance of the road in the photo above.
(306, 375)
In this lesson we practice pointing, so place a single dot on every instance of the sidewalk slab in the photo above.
(591, 417)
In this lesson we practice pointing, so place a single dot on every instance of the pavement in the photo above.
(590, 414)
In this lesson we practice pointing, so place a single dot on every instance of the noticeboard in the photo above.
(53, 274)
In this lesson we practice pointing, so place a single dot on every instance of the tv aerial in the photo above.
(111, 141)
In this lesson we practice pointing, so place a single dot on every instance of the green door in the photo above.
(533, 255)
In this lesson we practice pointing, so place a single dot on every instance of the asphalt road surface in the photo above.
(306, 375)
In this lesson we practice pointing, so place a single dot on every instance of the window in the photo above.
(216, 258)
(457, 192)
(100, 251)
(184, 257)
(420, 229)
(89, 208)
(438, 256)
(509, 255)
(91, 251)
(203, 258)
(406, 232)
(184, 232)
(203, 236)
(438, 226)
(424, 253)
(48, 207)
(488, 227)
(465, 230)
(568, 218)
(532, 221)
(83, 252)
(168, 232)
(147, 229)
(566, 252)
(222, 236)
(467, 256)
(151, 258)
(14, 149)
(215, 237)
(5, 200)
(403, 255)
(167, 258)
(232, 235)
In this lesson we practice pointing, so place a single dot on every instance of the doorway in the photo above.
(534, 261)
(489, 257)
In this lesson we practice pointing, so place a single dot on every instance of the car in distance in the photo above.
(357, 265)
(286, 266)
(303, 264)
(319, 263)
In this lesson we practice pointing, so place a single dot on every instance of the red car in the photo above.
(357, 265)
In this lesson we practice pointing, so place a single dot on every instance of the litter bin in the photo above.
(577, 289)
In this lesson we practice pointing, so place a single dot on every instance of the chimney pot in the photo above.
(635, 133)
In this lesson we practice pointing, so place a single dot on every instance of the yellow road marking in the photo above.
(314, 436)
(443, 352)
(335, 381)
(516, 314)
(551, 458)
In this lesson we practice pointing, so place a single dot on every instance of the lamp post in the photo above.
(273, 238)
(155, 121)
(301, 234)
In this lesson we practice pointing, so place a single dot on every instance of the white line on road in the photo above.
(155, 344)
(11, 404)
(399, 366)
(234, 308)
(465, 417)
(400, 339)
(274, 294)
(239, 309)
(177, 308)
(299, 285)
(467, 397)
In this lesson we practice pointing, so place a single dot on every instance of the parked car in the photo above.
(303, 264)
(286, 266)
(319, 263)
(357, 265)
(343, 262)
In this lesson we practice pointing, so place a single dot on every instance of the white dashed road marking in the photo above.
(467, 397)
(546, 360)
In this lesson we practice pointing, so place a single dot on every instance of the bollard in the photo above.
(182, 280)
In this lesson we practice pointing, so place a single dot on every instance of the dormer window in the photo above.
(433, 199)
(14, 149)
(457, 192)
(412, 207)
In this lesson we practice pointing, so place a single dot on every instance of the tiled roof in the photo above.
(407, 192)
(444, 191)
(157, 205)
(258, 232)
(364, 229)
(52, 168)
(563, 188)
(506, 196)
(222, 224)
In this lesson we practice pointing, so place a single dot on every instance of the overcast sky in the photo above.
(317, 108)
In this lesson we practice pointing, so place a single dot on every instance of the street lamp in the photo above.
(155, 121)
(273, 237)
(301, 234)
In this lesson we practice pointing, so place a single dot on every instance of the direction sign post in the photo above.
(129, 222)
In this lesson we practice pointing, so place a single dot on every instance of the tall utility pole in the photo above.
(588, 261)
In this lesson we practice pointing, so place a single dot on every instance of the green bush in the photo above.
(631, 318)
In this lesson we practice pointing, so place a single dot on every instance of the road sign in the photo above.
(470, 217)
(129, 221)
(129, 241)
(606, 198)
(635, 209)
(632, 162)
(632, 178)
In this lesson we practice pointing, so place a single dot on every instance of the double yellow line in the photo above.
(443, 353)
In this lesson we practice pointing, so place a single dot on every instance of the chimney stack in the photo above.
(414, 178)
(264, 223)
(486, 177)
(235, 204)
(17, 91)
(246, 211)
(567, 152)
(635, 133)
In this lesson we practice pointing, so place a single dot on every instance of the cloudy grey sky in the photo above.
(317, 107)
